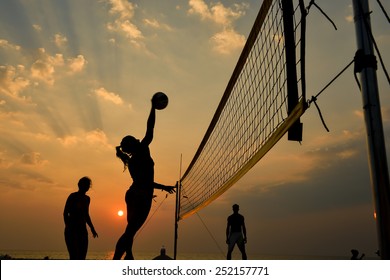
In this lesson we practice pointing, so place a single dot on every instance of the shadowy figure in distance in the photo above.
(355, 255)
(136, 157)
(76, 217)
(236, 233)
(163, 255)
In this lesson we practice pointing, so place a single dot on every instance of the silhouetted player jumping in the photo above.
(136, 157)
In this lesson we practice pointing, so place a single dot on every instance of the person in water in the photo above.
(76, 217)
(135, 155)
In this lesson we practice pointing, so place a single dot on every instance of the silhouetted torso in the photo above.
(141, 166)
(77, 211)
(236, 221)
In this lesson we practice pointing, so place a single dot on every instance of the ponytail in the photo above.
(124, 157)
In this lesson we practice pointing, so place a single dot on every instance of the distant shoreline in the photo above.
(60, 255)
(8, 257)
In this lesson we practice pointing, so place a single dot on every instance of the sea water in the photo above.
(107, 255)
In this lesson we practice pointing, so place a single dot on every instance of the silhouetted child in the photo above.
(76, 217)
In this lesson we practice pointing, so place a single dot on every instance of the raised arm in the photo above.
(150, 126)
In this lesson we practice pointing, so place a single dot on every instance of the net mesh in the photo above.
(252, 116)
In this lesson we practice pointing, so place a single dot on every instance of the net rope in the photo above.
(253, 113)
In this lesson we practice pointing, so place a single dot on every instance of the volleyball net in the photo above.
(264, 100)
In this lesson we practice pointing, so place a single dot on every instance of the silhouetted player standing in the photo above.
(136, 157)
(236, 233)
(76, 217)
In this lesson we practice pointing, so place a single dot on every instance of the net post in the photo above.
(176, 220)
(375, 137)
(177, 211)
(295, 132)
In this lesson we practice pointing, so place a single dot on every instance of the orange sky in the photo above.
(77, 76)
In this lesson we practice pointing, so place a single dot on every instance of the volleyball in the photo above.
(160, 100)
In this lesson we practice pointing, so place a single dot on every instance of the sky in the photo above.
(77, 76)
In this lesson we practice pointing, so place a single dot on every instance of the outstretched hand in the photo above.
(170, 189)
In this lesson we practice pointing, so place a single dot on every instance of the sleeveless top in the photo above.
(141, 167)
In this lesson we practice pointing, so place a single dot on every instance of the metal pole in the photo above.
(176, 220)
(177, 211)
(372, 114)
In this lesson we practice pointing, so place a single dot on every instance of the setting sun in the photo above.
(120, 213)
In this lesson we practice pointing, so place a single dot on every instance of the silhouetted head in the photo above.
(129, 144)
(84, 184)
(354, 252)
(236, 208)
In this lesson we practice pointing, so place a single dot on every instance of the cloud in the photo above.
(43, 68)
(37, 27)
(123, 8)
(12, 81)
(43, 71)
(97, 137)
(7, 45)
(217, 13)
(349, 18)
(69, 140)
(130, 29)
(33, 158)
(60, 40)
(77, 64)
(200, 8)
(157, 25)
(22, 179)
(108, 96)
(227, 40)
(93, 137)
(124, 12)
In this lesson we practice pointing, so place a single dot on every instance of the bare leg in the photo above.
(120, 248)
(229, 255)
(138, 207)
(241, 246)
(230, 250)
(125, 244)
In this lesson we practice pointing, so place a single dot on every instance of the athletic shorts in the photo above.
(235, 238)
